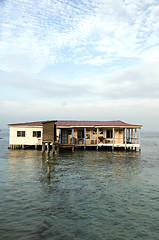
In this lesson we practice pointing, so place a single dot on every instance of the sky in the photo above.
(79, 60)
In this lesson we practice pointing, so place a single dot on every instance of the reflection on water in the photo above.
(92, 164)
(89, 194)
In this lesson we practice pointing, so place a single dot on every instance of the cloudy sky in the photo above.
(86, 60)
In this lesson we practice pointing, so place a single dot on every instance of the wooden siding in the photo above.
(49, 132)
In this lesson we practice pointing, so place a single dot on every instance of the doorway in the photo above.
(64, 136)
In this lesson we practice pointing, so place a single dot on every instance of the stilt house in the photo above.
(83, 134)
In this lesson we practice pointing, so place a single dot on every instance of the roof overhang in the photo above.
(102, 126)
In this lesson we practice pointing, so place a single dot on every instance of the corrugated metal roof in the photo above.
(40, 123)
(26, 124)
(94, 123)
(67, 123)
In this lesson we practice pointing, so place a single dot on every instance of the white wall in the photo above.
(28, 139)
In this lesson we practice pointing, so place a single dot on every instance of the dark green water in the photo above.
(90, 195)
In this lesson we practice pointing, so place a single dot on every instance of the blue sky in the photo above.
(86, 60)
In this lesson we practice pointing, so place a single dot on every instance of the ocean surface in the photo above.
(90, 195)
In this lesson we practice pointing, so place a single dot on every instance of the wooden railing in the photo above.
(101, 140)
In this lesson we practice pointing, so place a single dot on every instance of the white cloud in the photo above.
(119, 39)
(45, 32)
(143, 111)
(93, 60)
(137, 82)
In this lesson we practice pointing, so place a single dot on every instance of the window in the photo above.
(20, 133)
(37, 134)
(109, 133)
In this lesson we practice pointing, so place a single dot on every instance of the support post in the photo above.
(139, 135)
(73, 149)
(132, 136)
(53, 147)
(60, 136)
(84, 138)
(58, 148)
(139, 139)
(128, 136)
(113, 136)
(97, 137)
(43, 147)
(135, 135)
(48, 147)
(72, 135)
(125, 137)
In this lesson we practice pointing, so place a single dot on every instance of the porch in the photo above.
(113, 137)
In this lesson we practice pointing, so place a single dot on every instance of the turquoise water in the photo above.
(90, 195)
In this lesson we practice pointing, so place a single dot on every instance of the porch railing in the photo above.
(80, 141)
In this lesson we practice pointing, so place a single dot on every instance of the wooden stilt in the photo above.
(48, 147)
(53, 148)
(58, 148)
(73, 149)
(43, 147)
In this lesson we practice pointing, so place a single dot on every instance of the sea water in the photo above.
(89, 195)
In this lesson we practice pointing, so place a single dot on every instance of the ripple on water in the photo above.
(90, 195)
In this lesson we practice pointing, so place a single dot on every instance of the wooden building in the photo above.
(75, 134)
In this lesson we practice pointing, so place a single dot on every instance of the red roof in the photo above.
(67, 123)
(35, 124)
(94, 123)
